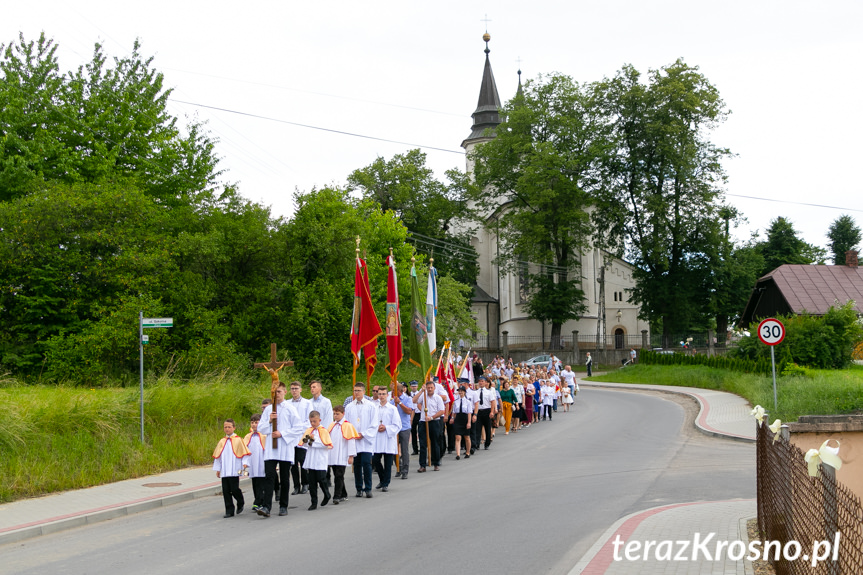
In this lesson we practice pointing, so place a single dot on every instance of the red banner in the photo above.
(365, 327)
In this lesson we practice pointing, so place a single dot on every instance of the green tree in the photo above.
(661, 191)
(535, 180)
(428, 208)
(783, 246)
(31, 95)
(317, 288)
(99, 124)
(735, 270)
(844, 235)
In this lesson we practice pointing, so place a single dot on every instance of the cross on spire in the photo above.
(486, 20)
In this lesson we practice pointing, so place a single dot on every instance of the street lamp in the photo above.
(619, 314)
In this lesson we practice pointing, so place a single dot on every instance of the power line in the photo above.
(457, 249)
(318, 93)
(797, 203)
(250, 115)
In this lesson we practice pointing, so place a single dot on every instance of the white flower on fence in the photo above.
(824, 454)
(776, 427)
(758, 412)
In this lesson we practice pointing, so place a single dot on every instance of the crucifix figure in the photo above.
(273, 367)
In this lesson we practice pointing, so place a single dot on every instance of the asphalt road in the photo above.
(534, 503)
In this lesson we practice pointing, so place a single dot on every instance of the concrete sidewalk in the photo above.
(721, 414)
(691, 522)
(28, 518)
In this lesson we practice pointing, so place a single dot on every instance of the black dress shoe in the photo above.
(326, 499)
(240, 508)
(378, 486)
(467, 455)
(304, 490)
(226, 515)
(283, 511)
(457, 457)
(359, 493)
(296, 491)
(313, 506)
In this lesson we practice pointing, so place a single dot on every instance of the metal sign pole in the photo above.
(141, 347)
(773, 362)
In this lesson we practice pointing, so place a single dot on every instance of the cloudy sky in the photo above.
(408, 73)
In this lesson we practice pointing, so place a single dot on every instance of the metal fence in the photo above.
(792, 506)
(589, 342)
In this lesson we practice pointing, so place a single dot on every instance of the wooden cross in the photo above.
(273, 367)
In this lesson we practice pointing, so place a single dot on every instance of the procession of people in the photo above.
(310, 443)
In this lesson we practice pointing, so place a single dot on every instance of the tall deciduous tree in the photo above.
(535, 178)
(662, 184)
(98, 124)
(844, 235)
(784, 246)
(428, 207)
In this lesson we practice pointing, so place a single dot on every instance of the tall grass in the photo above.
(819, 392)
(55, 437)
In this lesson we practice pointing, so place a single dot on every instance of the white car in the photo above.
(539, 360)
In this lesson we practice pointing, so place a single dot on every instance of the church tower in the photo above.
(487, 115)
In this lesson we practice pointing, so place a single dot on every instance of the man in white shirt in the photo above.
(302, 406)
(569, 378)
(290, 429)
(486, 409)
(405, 408)
(431, 408)
(363, 415)
(386, 439)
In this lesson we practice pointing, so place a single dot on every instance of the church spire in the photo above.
(486, 114)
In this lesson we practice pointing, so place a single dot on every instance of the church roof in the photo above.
(486, 114)
(481, 296)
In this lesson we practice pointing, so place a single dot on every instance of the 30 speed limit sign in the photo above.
(771, 331)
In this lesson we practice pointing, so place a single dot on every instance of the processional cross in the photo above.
(273, 367)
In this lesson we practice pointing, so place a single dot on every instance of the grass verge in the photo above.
(820, 392)
(55, 438)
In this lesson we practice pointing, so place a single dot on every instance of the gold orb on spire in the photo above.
(486, 37)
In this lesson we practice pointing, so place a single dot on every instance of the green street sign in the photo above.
(145, 339)
(157, 322)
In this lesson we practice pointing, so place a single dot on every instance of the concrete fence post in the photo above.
(645, 344)
(505, 343)
(576, 356)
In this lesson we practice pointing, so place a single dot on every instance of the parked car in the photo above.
(539, 360)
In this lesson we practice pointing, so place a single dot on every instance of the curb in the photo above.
(26, 531)
(703, 409)
(598, 558)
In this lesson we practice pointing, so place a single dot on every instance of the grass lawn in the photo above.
(822, 392)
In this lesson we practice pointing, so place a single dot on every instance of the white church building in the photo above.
(499, 298)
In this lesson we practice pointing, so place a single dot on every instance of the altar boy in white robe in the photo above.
(386, 439)
(343, 436)
(230, 458)
(290, 429)
(318, 443)
(254, 442)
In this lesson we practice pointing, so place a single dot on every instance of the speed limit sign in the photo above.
(771, 331)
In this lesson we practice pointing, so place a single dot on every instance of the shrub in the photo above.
(825, 342)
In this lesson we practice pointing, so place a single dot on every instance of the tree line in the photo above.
(627, 164)
(110, 205)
